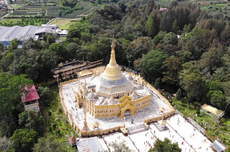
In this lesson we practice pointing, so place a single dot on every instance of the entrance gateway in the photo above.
(127, 113)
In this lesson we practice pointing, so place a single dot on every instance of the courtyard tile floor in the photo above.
(188, 138)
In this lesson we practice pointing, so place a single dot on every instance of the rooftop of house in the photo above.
(29, 94)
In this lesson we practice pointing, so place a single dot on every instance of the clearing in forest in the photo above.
(64, 23)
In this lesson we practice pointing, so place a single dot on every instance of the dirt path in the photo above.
(84, 14)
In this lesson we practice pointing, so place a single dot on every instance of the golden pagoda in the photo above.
(113, 92)
(112, 81)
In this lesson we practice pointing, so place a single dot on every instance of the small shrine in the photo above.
(30, 98)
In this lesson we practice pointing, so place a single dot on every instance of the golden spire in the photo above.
(112, 71)
(112, 56)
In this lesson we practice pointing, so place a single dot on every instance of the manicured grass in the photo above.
(215, 129)
(62, 23)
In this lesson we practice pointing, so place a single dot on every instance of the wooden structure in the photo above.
(69, 70)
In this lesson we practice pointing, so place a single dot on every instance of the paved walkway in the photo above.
(179, 131)
(191, 135)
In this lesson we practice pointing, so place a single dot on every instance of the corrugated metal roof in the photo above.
(10, 33)
(218, 146)
(90, 145)
(7, 34)
(3, 30)
(44, 30)
(18, 32)
(26, 32)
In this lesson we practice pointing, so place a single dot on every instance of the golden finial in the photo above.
(112, 56)
(113, 45)
(133, 93)
(111, 97)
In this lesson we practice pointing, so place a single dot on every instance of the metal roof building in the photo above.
(213, 110)
(7, 34)
(93, 144)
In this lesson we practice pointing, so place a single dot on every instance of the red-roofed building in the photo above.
(30, 98)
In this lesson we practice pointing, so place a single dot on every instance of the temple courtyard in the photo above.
(77, 114)
(184, 133)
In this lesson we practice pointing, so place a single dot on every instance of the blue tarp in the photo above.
(6, 42)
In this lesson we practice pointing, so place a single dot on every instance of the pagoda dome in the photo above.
(112, 81)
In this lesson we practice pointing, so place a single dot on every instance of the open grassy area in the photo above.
(214, 7)
(16, 6)
(215, 129)
(63, 23)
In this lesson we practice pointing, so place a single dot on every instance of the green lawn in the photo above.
(62, 23)
(214, 129)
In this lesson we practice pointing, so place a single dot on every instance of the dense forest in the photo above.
(181, 49)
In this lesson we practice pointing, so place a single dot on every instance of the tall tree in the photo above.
(10, 92)
(151, 64)
(24, 139)
(211, 59)
(191, 81)
(48, 144)
(31, 120)
(119, 146)
(6, 145)
(151, 26)
(172, 66)
(166, 145)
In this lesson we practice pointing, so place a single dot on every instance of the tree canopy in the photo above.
(166, 145)
(11, 87)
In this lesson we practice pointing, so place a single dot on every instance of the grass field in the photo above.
(16, 6)
(62, 23)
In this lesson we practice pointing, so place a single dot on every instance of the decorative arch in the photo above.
(127, 107)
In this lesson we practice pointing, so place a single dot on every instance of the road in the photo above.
(6, 3)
